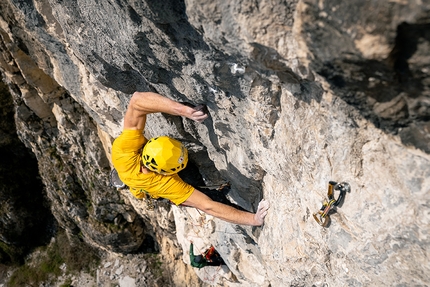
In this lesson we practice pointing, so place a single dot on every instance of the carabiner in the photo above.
(322, 216)
(343, 188)
(150, 202)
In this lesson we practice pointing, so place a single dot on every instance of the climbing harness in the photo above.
(116, 182)
(322, 216)
(150, 202)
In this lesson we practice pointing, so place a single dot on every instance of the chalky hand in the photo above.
(262, 210)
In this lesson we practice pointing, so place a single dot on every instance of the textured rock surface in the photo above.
(25, 220)
(299, 92)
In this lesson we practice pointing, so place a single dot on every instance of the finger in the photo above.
(202, 117)
(263, 215)
(264, 209)
(203, 108)
(262, 212)
(199, 116)
(264, 204)
(198, 113)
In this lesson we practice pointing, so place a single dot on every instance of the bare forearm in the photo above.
(144, 103)
(148, 102)
(231, 214)
(226, 212)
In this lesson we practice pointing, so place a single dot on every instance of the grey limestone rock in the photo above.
(299, 93)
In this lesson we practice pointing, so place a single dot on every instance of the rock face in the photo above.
(25, 220)
(299, 93)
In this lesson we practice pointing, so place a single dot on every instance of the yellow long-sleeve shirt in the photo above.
(126, 155)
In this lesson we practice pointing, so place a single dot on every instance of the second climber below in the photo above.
(151, 167)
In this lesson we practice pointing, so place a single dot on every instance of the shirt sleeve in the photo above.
(126, 155)
(171, 187)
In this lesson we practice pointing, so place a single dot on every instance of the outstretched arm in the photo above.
(225, 212)
(143, 103)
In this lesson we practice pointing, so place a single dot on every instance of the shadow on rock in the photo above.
(394, 93)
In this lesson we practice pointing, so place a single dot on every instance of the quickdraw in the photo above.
(322, 216)
(150, 202)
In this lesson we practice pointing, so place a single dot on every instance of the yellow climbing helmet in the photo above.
(165, 155)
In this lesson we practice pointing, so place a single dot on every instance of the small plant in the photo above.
(154, 264)
(67, 283)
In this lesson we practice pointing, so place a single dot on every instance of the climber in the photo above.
(151, 167)
(210, 257)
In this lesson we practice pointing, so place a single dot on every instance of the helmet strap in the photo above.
(143, 168)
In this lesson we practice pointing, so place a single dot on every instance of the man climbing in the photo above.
(151, 167)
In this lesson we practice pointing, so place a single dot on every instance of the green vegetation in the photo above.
(67, 283)
(10, 254)
(46, 262)
(154, 264)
